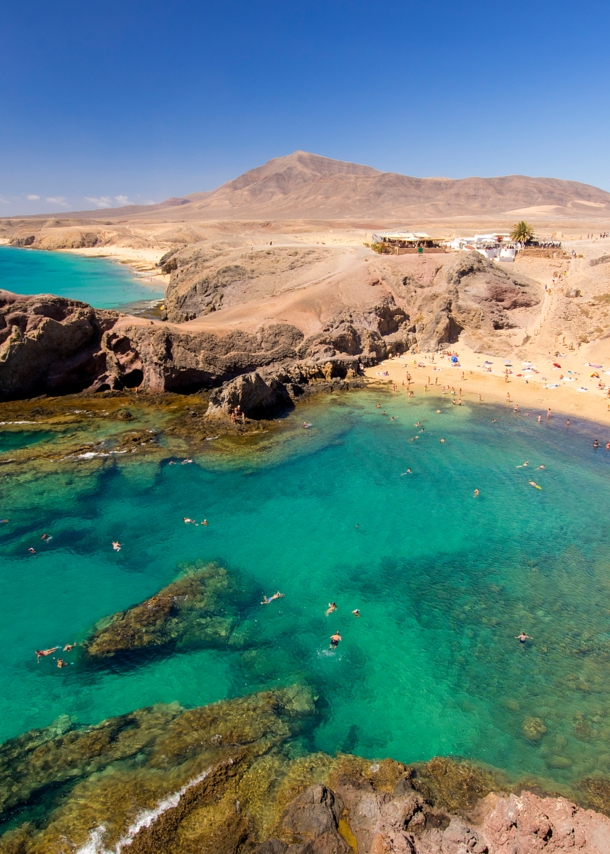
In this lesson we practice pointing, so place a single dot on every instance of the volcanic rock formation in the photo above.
(236, 778)
(285, 322)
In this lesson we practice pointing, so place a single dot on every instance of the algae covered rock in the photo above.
(199, 609)
(192, 772)
(533, 728)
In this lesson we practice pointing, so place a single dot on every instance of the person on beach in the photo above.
(335, 640)
(332, 606)
(268, 601)
(548, 414)
(42, 653)
(522, 637)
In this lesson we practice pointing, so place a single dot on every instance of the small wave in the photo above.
(5, 423)
(95, 843)
(89, 455)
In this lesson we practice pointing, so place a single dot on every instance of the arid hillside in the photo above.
(307, 186)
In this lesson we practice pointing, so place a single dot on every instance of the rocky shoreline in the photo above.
(51, 345)
(239, 776)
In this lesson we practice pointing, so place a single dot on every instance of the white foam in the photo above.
(4, 423)
(89, 455)
(95, 843)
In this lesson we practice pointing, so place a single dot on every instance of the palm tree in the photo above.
(522, 233)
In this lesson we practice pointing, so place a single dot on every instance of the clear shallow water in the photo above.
(443, 581)
(101, 283)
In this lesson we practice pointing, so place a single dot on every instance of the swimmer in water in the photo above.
(535, 485)
(187, 521)
(32, 551)
(356, 612)
(332, 606)
(335, 640)
(116, 546)
(607, 446)
(442, 440)
(42, 653)
(3, 521)
(522, 637)
(61, 663)
(540, 467)
(408, 471)
(185, 462)
(69, 646)
(268, 601)
(205, 523)
(595, 444)
(476, 492)
(378, 406)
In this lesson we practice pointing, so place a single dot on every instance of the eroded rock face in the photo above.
(52, 345)
(49, 345)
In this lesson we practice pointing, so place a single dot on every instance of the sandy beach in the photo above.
(143, 262)
(533, 391)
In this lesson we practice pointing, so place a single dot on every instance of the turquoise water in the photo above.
(101, 283)
(12, 440)
(444, 581)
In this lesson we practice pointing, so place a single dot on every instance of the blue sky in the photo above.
(138, 101)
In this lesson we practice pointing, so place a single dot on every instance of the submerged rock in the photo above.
(196, 610)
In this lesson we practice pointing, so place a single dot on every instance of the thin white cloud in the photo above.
(58, 200)
(100, 201)
(3, 201)
(33, 198)
(122, 200)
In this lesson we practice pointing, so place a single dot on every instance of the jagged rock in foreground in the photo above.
(197, 610)
(236, 778)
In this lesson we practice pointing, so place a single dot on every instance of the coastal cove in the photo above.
(100, 282)
(444, 581)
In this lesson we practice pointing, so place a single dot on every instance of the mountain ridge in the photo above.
(302, 185)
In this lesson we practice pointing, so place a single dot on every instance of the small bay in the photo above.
(97, 281)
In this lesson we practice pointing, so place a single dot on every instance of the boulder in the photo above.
(255, 396)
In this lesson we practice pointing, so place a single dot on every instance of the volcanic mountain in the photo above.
(307, 186)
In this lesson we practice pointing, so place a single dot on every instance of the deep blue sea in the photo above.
(97, 281)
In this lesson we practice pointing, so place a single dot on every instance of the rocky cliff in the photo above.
(273, 320)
